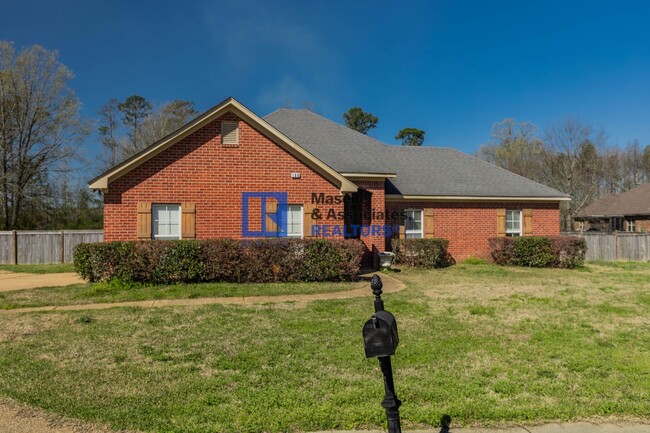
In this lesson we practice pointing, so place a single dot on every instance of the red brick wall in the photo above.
(468, 226)
(199, 169)
(373, 212)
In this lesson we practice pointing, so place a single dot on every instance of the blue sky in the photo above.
(452, 68)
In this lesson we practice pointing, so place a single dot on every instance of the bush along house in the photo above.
(232, 174)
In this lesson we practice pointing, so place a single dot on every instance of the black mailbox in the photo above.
(380, 335)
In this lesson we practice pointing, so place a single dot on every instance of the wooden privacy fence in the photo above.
(616, 246)
(43, 246)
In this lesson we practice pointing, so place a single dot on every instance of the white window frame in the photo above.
(631, 224)
(412, 233)
(302, 224)
(514, 232)
(154, 213)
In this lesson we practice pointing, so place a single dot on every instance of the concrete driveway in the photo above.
(20, 281)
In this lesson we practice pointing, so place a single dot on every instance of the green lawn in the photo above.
(39, 269)
(483, 344)
(105, 292)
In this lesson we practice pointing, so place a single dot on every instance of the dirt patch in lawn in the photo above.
(20, 419)
(19, 281)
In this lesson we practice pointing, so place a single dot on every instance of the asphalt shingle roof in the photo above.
(633, 202)
(425, 170)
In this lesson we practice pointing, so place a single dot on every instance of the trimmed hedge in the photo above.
(212, 260)
(539, 251)
(426, 253)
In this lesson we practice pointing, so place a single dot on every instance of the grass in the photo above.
(39, 269)
(484, 344)
(106, 292)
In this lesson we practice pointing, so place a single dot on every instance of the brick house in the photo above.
(628, 211)
(230, 173)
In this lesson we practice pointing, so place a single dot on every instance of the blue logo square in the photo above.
(279, 218)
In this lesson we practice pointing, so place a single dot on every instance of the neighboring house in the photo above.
(230, 173)
(628, 211)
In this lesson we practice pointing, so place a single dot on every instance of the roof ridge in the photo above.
(348, 129)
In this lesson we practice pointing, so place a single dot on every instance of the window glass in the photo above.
(166, 221)
(616, 224)
(413, 224)
(513, 223)
(294, 221)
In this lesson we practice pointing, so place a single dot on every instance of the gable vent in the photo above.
(230, 134)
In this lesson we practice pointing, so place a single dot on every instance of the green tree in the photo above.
(355, 118)
(109, 115)
(134, 110)
(411, 137)
(39, 125)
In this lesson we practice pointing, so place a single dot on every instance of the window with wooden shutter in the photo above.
(295, 217)
(501, 222)
(528, 222)
(144, 221)
(230, 134)
(413, 224)
(513, 223)
(188, 221)
(166, 221)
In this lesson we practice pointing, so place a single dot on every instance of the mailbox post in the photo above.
(380, 341)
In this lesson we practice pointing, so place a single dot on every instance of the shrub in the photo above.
(331, 260)
(533, 251)
(539, 251)
(264, 260)
(426, 253)
(569, 251)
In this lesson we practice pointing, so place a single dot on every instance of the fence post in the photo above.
(14, 246)
(615, 246)
(62, 246)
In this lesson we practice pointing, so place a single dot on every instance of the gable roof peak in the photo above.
(229, 104)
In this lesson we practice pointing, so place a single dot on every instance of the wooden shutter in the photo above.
(271, 209)
(188, 220)
(402, 231)
(428, 222)
(307, 220)
(144, 221)
(527, 222)
(501, 222)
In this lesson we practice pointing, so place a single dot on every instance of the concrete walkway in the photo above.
(577, 427)
(363, 290)
(10, 281)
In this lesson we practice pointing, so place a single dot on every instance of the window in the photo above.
(616, 224)
(581, 226)
(230, 134)
(513, 223)
(631, 225)
(413, 224)
(294, 221)
(166, 220)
